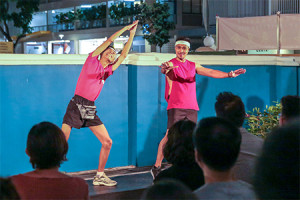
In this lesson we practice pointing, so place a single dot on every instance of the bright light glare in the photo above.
(86, 6)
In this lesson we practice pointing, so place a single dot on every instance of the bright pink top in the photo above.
(92, 78)
(50, 188)
(183, 91)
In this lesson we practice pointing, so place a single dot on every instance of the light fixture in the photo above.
(31, 43)
(209, 41)
(86, 6)
(61, 36)
(53, 11)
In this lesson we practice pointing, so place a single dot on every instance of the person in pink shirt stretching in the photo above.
(81, 111)
(180, 90)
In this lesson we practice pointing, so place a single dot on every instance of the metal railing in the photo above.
(250, 8)
(90, 24)
(121, 22)
(48, 1)
(77, 25)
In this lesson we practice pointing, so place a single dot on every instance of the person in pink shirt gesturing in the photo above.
(180, 91)
(81, 111)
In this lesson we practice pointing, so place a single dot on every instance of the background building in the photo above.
(193, 18)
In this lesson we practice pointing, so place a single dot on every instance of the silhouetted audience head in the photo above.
(179, 147)
(217, 143)
(230, 107)
(277, 169)
(8, 190)
(46, 146)
(290, 108)
(168, 189)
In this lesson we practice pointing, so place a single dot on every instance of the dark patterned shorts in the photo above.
(177, 114)
(73, 117)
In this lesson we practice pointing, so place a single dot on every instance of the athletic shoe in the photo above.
(104, 180)
(155, 171)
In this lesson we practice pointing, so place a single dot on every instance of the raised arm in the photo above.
(218, 74)
(126, 48)
(105, 44)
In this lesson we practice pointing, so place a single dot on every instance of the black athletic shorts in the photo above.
(73, 117)
(177, 114)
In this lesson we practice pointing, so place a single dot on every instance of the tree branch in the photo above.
(19, 37)
(5, 34)
(6, 28)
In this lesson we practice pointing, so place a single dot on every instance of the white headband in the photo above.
(183, 42)
(112, 49)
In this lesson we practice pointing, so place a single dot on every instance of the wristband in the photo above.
(230, 74)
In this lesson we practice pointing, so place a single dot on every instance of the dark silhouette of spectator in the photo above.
(8, 190)
(290, 109)
(217, 143)
(231, 107)
(47, 148)
(168, 189)
(179, 151)
(277, 171)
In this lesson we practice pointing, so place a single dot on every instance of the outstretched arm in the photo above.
(105, 44)
(218, 74)
(126, 48)
(166, 67)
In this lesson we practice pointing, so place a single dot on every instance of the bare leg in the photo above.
(102, 134)
(66, 129)
(160, 155)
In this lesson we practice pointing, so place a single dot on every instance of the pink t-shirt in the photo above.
(183, 91)
(92, 78)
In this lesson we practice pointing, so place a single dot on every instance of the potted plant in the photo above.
(260, 123)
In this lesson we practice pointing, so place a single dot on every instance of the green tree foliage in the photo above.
(66, 18)
(120, 11)
(154, 19)
(21, 17)
(87, 16)
(95, 13)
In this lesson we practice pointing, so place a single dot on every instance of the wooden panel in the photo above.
(6, 47)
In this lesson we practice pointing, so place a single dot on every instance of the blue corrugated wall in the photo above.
(131, 105)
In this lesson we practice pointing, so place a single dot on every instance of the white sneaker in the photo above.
(104, 180)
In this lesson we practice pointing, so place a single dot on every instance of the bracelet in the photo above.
(230, 74)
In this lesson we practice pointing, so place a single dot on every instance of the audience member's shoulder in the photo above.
(246, 135)
(79, 180)
(224, 190)
(244, 184)
(66, 178)
(18, 177)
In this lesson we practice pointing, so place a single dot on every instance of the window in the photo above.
(191, 6)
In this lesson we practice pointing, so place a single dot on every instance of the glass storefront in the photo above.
(88, 46)
(36, 48)
(61, 47)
